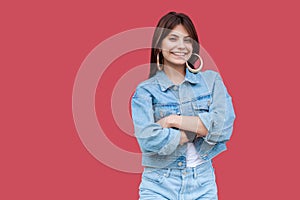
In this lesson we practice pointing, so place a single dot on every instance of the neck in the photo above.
(175, 73)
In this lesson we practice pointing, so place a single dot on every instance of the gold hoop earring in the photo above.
(199, 68)
(159, 67)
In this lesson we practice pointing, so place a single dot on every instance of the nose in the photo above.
(181, 44)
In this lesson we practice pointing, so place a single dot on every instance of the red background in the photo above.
(254, 43)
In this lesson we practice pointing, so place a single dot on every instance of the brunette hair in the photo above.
(163, 28)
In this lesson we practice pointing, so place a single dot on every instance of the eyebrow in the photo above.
(173, 34)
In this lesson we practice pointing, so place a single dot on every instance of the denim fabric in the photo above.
(196, 183)
(203, 94)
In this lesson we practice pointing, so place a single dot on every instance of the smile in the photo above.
(179, 53)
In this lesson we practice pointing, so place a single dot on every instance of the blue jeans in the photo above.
(195, 183)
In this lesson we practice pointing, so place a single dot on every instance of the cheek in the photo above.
(167, 45)
(189, 47)
(165, 53)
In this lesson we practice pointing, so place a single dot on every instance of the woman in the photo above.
(182, 117)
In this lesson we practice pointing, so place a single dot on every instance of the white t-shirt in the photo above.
(192, 157)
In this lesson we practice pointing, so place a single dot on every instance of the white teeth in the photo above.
(179, 54)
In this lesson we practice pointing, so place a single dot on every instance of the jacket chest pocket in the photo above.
(161, 111)
(201, 105)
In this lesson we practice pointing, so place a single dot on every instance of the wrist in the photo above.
(174, 121)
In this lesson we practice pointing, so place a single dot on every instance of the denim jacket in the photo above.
(203, 94)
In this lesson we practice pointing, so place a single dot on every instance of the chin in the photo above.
(179, 63)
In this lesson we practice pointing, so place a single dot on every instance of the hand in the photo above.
(183, 138)
(199, 135)
(163, 122)
(169, 121)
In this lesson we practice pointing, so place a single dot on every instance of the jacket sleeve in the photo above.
(151, 137)
(220, 117)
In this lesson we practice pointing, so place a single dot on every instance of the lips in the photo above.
(179, 53)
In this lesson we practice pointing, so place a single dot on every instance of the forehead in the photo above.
(179, 30)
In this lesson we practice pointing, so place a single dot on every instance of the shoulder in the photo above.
(144, 88)
(148, 82)
(210, 75)
(211, 78)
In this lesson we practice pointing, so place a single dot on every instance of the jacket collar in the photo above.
(165, 83)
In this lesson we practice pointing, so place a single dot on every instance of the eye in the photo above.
(188, 40)
(173, 39)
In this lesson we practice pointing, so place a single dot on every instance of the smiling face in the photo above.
(177, 47)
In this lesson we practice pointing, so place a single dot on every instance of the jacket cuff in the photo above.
(207, 122)
(171, 146)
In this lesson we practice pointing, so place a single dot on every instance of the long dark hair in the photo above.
(163, 28)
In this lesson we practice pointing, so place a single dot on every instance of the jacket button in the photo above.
(179, 164)
(161, 113)
(208, 103)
